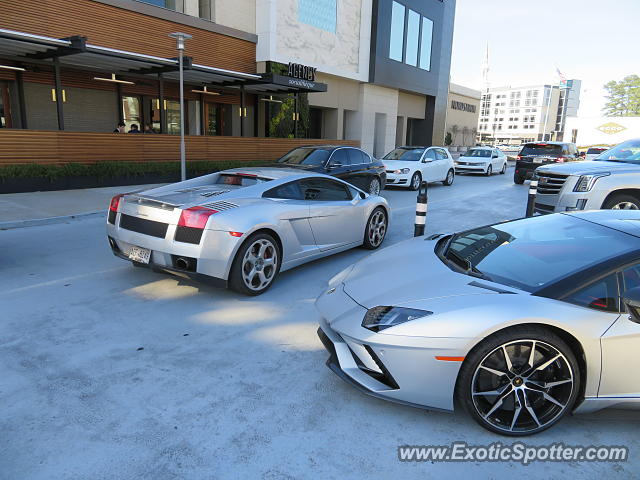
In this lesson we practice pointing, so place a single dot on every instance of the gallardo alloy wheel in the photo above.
(376, 229)
(523, 386)
(259, 265)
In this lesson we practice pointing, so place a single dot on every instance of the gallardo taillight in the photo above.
(115, 202)
(195, 217)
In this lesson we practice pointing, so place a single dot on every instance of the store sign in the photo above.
(465, 107)
(303, 72)
(611, 128)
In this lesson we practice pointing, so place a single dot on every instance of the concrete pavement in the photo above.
(109, 371)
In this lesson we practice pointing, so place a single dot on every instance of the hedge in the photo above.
(115, 169)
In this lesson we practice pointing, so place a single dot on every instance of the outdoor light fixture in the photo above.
(9, 67)
(270, 100)
(54, 97)
(242, 111)
(205, 91)
(113, 79)
(180, 38)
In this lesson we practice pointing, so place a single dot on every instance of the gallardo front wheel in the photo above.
(519, 382)
(376, 229)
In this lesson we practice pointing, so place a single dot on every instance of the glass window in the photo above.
(240, 180)
(534, 252)
(541, 149)
(205, 8)
(131, 112)
(321, 14)
(601, 295)
(405, 154)
(426, 38)
(365, 157)
(355, 156)
(413, 31)
(631, 277)
(290, 191)
(319, 189)
(627, 152)
(177, 5)
(172, 108)
(431, 154)
(441, 154)
(306, 156)
(396, 40)
(340, 156)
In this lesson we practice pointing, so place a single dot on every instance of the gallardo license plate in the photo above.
(139, 254)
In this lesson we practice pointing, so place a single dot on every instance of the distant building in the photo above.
(462, 115)
(531, 113)
(587, 131)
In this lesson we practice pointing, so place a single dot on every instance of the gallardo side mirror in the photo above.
(631, 299)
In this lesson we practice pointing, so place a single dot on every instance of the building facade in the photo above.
(463, 112)
(372, 72)
(524, 114)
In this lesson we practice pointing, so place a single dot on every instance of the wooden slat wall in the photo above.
(54, 147)
(114, 27)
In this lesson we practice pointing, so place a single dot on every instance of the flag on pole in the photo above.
(485, 68)
(563, 79)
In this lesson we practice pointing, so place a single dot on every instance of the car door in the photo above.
(621, 349)
(443, 163)
(360, 174)
(292, 212)
(336, 212)
(339, 165)
(496, 162)
(430, 167)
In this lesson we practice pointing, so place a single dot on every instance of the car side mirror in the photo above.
(494, 156)
(426, 160)
(631, 299)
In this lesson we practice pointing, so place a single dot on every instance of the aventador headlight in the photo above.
(402, 171)
(379, 318)
(587, 181)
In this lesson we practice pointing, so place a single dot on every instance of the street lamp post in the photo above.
(180, 38)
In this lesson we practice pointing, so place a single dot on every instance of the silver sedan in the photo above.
(518, 323)
(241, 227)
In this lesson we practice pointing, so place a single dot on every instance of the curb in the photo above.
(37, 222)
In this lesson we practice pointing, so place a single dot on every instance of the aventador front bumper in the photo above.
(397, 368)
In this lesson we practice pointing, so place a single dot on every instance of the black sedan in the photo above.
(346, 163)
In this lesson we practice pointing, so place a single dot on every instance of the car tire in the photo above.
(448, 181)
(489, 171)
(518, 179)
(376, 229)
(251, 272)
(416, 181)
(504, 169)
(521, 399)
(621, 201)
(375, 186)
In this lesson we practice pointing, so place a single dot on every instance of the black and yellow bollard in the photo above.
(531, 201)
(421, 210)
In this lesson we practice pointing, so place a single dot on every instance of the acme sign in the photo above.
(303, 72)
(611, 128)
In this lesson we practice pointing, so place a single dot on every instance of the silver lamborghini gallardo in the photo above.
(519, 323)
(241, 227)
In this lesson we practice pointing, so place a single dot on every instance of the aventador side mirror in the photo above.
(631, 299)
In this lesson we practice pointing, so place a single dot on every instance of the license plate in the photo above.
(538, 160)
(139, 254)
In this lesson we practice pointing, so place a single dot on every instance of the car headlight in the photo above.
(588, 180)
(380, 318)
(401, 170)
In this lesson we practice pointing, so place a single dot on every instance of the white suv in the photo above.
(610, 181)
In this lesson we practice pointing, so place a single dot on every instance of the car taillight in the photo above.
(115, 202)
(561, 159)
(195, 217)
(518, 157)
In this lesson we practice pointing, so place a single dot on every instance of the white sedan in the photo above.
(484, 160)
(410, 166)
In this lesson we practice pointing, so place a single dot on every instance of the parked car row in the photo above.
(519, 323)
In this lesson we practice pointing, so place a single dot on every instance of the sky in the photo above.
(592, 40)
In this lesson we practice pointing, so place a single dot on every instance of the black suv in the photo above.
(346, 163)
(536, 154)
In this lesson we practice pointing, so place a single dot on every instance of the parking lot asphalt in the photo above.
(110, 371)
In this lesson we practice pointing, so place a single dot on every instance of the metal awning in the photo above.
(75, 52)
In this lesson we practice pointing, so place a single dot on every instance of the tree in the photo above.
(624, 97)
(447, 139)
(455, 129)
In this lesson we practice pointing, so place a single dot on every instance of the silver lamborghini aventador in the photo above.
(241, 227)
(519, 323)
